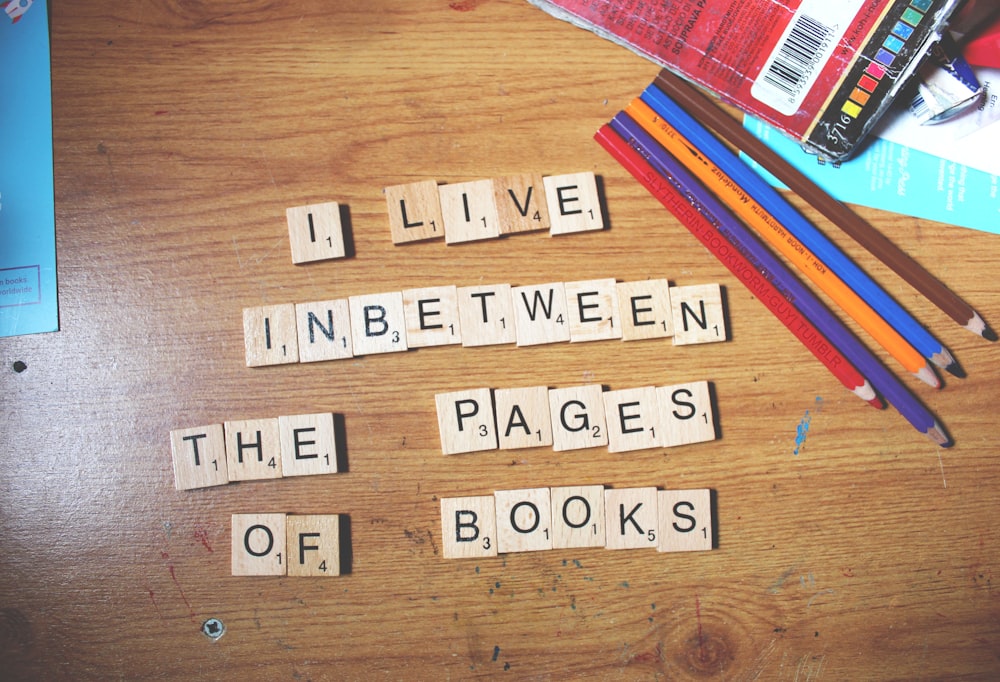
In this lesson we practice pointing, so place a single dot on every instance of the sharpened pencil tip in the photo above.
(877, 403)
(936, 433)
(989, 334)
(955, 370)
(927, 375)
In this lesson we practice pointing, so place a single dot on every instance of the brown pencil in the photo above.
(874, 241)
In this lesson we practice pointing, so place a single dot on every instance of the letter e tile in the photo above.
(574, 203)
(308, 444)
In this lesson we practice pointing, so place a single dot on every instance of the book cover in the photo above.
(28, 302)
(821, 72)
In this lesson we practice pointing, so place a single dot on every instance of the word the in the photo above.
(296, 545)
(590, 310)
(576, 516)
(487, 209)
(298, 445)
(575, 417)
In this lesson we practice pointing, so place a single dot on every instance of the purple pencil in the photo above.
(733, 231)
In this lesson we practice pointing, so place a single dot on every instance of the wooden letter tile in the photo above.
(632, 519)
(468, 527)
(259, 542)
(269, 335)
(578, 518)
(487, 315)
(540, 314)
(521, 204)
(199, 456)
(698, 314)
(577, 415)
(633, 419)
(378, 323)
(315, 232)
(685, 520)
(523, 419)
(308, 444)
(524, 520)
(313, 544)
(466, 421)
(645, 309)
(324, 330)
(593, 310)
(469, 211)
(432, 316)
(253, 451)
(686, 414)
(414, 212)
(574, 203)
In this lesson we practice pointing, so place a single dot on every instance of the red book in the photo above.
(820, 71)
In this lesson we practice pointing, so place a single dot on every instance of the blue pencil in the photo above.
(741, 238)
(814, 240)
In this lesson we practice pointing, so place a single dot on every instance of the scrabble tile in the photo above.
(632, 519)
(315, 232)
(259, 543)
(523, 419)
(466, 421)
(577, 414)
(468, 527)
(253, 451)
(593, 310)
(199, 456)
(324, 330)
(524, 520)
(521, 204)
(378, 323)
(540, 314)
(578, 518)
(313, 544)
(645, 309)
(633, 418)
(487, 315)
(414, 212)
(698, 314)
(685, 520)
(686, 414)
(469, 211)
(574, 203)
(270, 336)
(432, 316)
(308, 444)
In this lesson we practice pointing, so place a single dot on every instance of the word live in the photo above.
(591, 310)
(574, 517)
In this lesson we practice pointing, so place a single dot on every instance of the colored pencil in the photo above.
(714, 226)
(787, 231)
(749, 272)
(836, 212)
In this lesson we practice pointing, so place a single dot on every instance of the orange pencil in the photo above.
(778, 237)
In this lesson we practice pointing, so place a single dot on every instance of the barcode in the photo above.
(798, 56)
(920, 108)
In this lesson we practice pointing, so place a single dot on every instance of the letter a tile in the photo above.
(698, 314)
(315, 232)
(524, 520)
(468, 527)
(259, 544)
(523, 419)
(270, 336)
(685, 520)
(414, 212)
(199, 456)
(466, 421)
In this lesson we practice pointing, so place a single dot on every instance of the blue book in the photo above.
(893, 177)
(28, 301)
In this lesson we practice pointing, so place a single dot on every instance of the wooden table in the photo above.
(849, 546)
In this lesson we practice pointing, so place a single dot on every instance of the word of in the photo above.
(253, 449)
(576, 516)
(287, 544)
(575, 417)
(591, 310)
(486, 209)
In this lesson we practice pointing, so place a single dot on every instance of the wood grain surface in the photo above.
(849, 546)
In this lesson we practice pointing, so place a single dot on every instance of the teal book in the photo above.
(28, 295)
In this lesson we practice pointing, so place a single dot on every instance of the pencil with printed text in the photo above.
(840, 215)
(716, 228)
(774, 221)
